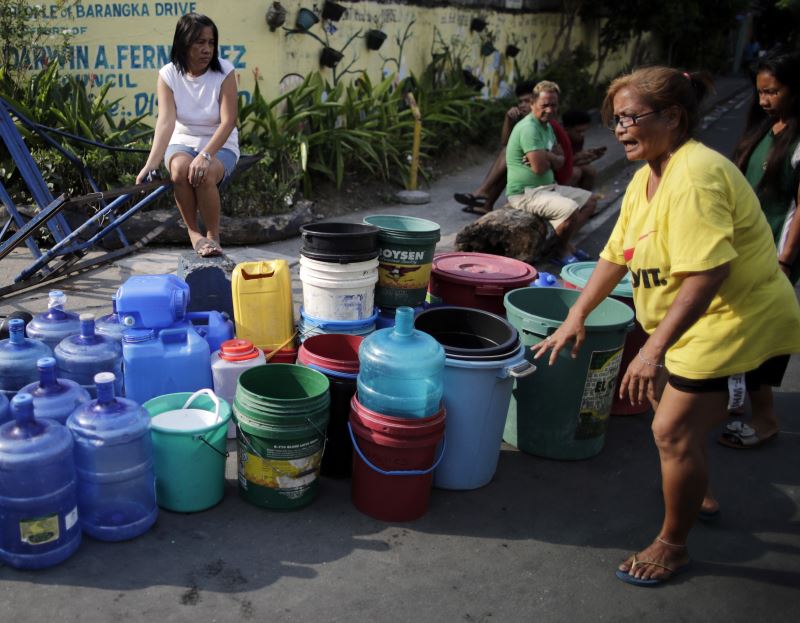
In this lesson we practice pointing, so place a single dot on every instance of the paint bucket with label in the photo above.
(338, 291)
(577, 276)
(281, 413)
(188, 433)
(406, 247)
(561, 412)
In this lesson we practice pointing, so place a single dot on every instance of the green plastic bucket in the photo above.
(561, 411)
(188, 433)
(407, 245)
(281, 412)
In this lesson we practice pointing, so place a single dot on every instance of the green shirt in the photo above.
(528, 135)
(775, 202)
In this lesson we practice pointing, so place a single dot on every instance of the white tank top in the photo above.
(197, 104)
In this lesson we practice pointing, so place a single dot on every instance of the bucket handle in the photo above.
(520, 370)
(204, 392)
(270, 355)
(225, 454)
(397, 472)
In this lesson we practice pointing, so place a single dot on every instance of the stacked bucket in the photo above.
(338, 270)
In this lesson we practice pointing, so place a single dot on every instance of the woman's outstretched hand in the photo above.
(572, 330)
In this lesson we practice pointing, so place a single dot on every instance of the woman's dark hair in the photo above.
(662, 88)
(187, 31)
(785, 68)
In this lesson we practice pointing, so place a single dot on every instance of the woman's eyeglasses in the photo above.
(627, 121)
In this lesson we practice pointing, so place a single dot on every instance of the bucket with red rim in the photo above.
(477, 280)
(393, 462)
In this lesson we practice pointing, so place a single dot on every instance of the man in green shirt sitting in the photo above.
(532, 155)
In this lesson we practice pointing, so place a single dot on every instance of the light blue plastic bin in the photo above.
(476, 397)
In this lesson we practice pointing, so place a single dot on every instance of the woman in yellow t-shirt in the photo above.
(707, 289)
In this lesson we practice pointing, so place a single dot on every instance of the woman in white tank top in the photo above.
(196, 128)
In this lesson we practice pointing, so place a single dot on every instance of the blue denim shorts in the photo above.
(225, 156)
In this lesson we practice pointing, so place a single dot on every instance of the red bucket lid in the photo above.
(237, 350)
(483, 268)
(332, 351)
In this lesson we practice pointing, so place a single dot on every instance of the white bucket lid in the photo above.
(184, 420)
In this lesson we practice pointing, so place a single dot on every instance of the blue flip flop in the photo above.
(566, 260)
(626, 577)
(708, 516)
(583, 256)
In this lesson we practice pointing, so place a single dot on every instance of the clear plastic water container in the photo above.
(5, 412)
(56, 323)
(152, 301)
(227, 364)
(165, 362)
(54, 398)
(401, 370)
(38, 490)
(18, 357)
(114, 463)
(80, 357)
(110, 325)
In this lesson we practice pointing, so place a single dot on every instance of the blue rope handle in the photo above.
(342, 375)
(397, 472)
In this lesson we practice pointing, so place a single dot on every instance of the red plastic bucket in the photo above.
(336, 356)
(393, 462)
(575, 277)
(477, 280)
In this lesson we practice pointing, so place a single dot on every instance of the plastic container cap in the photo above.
(477, 268)
(237, 350)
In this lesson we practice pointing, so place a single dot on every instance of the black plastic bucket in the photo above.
(472, 334)
(341, 243)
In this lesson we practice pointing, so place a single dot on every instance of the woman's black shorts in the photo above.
(768, 373)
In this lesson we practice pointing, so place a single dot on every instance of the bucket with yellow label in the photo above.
(281, 413)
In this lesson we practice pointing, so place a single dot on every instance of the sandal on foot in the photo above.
(566, 260)
(206, 247)
(626, 576)
(475, 210)
(708, 516)
(582, 255)
(740, 436)
(468, 199)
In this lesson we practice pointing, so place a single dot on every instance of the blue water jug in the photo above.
(54, 398)
(544, 280)
(18, 357)
(80, 357)
(5, 412)
(110, 325)
(38, 490)
(172, 360)
(55, 324)
(213, 326)
(152, 301)
(114, 463)
(401, 370)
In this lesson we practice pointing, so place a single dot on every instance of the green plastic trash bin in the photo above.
(561, 412)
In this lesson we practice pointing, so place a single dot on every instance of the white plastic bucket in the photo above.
(338, 291)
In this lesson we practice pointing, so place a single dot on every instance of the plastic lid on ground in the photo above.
(578, 274)
(471, 268)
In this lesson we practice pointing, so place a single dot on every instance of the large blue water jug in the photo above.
(38, 493)
(401, 370)
(114, 463)
(152, 301)
(56, 323)
(18, 357)
(110, 325)
(54, 398)
(80, 357)
(172, 360)
(213, 326)
(5, 412)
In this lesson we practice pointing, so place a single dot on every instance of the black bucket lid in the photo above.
(471, 334)
(340, 242)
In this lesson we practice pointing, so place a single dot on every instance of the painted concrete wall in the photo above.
(126, 42)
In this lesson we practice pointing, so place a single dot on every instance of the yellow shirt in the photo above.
(703, 215)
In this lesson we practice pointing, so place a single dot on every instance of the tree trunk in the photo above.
(508, 232)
